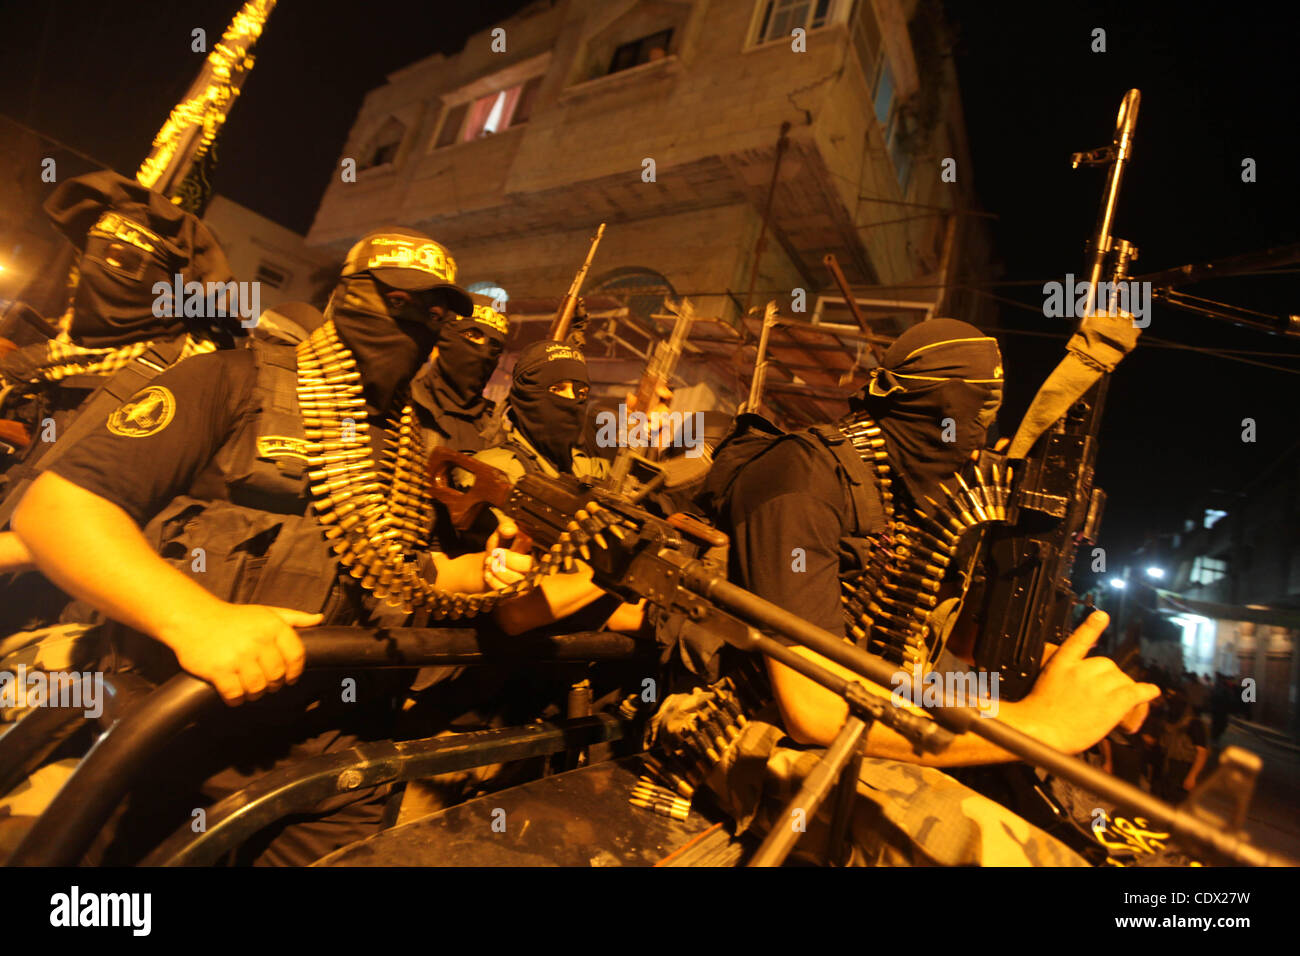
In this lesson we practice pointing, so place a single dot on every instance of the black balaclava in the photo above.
(937, 370)
(389, 347)
(552, 424)
(464, 367)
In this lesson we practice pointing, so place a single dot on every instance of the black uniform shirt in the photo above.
(787, 514)
(161, 442)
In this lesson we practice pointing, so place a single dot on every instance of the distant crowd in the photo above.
(1174, 750)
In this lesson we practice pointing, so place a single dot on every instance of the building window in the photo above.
(898, 154)
(866, 41)
(884, 102)
(1207, 570)
(384, 145)
(488, 114)
(645, 50)
(273, 276)
(1212, 515)
(451, 125)
(495, 112)
(527, 98)
(493, 291)
(781, 17)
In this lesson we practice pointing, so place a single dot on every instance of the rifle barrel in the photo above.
(565, 314)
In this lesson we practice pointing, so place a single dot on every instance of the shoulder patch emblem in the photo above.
(281, 446)
(145, 413)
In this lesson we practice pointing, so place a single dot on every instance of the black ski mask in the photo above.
(468, 352)
(552, 423)
(935, 396)
(389, 342)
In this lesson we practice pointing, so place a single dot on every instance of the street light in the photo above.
(1157, 573)
(1119, 584)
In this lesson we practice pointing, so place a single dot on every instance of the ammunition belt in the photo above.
(694, 738)
(378, 516)
(890, 603)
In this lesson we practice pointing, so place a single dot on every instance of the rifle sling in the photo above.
(93, 412)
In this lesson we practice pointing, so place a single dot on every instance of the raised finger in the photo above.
(1075, 647)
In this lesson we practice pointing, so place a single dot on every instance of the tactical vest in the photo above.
(754, 436)
(860, 486)
(262, 546)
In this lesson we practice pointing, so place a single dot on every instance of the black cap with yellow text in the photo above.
(408, 260)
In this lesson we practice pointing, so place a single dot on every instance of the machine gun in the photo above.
(636, 555)
(1025, 597)
(657, 373)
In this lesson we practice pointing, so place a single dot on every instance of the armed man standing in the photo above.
(271, 497)
(843, 525)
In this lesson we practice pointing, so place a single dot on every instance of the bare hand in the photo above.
(502, 567)
(505, 533)
(244, 650)
(1078, 700)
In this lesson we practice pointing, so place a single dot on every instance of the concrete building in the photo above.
(276, 258)
(1234, 589)
(728, 145)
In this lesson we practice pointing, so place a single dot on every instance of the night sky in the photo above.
(1216, 87)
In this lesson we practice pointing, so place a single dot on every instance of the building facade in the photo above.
(1234, 589)
(279, 260)
(729, 146)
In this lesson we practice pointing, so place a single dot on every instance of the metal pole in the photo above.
(781, 144)
(782, 838)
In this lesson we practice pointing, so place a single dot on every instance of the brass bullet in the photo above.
(661, 809)
(975, 503)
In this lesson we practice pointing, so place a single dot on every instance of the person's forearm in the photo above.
(93, 550)
(14, 555)
(1202, 755)
(814, 715)
(557, 597)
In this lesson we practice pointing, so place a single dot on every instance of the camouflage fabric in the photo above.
(905, 815)
(27, 801)
(60, 647)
